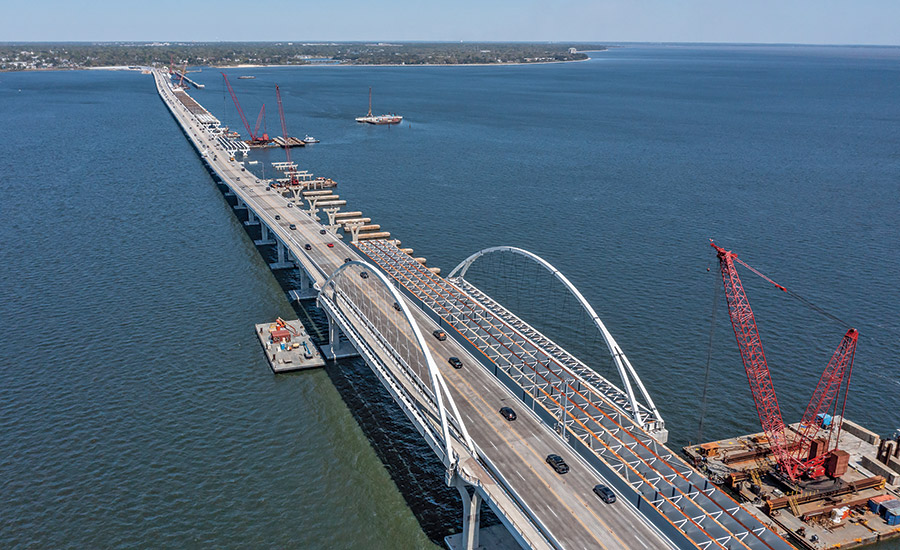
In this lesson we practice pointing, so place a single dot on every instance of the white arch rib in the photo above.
(623, 365)
(438, 385)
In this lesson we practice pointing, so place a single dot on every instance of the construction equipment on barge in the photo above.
(822, 480)
(808, 450)
(255, 140)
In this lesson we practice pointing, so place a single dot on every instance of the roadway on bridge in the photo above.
(565, 504)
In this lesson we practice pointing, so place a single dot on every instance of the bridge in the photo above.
(383, 305)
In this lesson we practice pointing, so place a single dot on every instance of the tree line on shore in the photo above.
(26, 56)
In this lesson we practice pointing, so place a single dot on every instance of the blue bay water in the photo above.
(136, 409)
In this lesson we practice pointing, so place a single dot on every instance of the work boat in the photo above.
(378, 119)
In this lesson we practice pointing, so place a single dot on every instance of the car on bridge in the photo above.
(557, 463)
(397, 306)
(307, 246)
(508, 413)
(292, 226)
(440, 335)
(330, 245)
(364, 274)
(455, 362)
(605, 494)
(277, 217)
(322, 231)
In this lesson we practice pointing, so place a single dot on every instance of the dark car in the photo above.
(290, 205)
(307, 246)
(455, 362)
(347, 260)
(557, 463)
(508, 413)
(605, 493)
(440, 335)
(322, 231)
(292, 226)
(277, 217)
(397, 306)
(364, 274)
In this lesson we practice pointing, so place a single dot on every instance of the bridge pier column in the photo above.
(240, 205)
(332, 213)
(265, 238)
(251, 218)
(354, 231)
(312, 206)
(337, 348)
(306, 291)
(283, 261)
(471, 515)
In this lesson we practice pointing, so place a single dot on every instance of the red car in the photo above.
(330, 245)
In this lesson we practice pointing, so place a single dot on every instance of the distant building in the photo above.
(573, 51)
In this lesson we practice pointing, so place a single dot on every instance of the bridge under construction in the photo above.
(405, 320)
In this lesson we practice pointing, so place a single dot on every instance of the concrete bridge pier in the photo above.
(332, 216)
(284, 261)
(337, 347)
(251, 218)
(241, 205)
(471, 515)
(306, 291)
(354, 228)
(265, 238)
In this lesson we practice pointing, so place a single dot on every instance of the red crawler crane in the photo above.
(284, 136)
(802, 452)
(254, 137)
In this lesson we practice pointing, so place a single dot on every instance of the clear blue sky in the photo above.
(791, 21)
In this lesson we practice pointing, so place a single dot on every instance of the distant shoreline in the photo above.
(404, 64)
(258, 66)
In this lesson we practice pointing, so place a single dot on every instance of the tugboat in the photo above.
(378, 119)
(310, 139)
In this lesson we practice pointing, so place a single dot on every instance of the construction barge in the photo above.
(856, 503)
(824, 482)
(277, 141)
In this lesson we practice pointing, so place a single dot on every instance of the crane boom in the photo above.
(284, 136)
(747, 334)
(805, 452)
(238, 106)
(262, 114)
(829, 398)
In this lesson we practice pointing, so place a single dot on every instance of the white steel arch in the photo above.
(623, 365)
(438, 384)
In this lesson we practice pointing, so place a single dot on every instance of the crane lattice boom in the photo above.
(747, 335)
(284, 134)
(796, 454)
(256, 136)
(238, 106)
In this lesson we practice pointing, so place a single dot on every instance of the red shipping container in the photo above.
(281, 335)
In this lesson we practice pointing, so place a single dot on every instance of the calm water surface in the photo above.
(137, 410)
